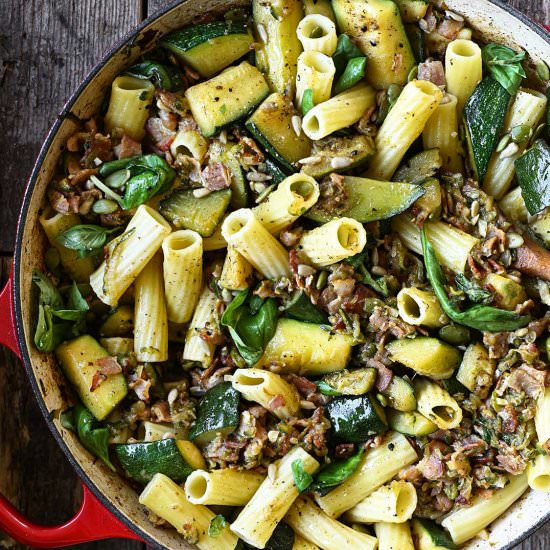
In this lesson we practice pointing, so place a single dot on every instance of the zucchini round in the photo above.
(410, 423)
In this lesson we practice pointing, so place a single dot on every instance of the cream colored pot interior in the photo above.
(492, 22)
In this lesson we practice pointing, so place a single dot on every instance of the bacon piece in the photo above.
(528, 380)
(215, 177)
(128, 148)
(108, 365)
(433, 71)
(277, 402)
(384, 375)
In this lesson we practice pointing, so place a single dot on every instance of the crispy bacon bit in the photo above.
(249, 153)
(188, 167)
(216, 177)
(528, 380)
(109, 365)
(512, 463)
(433, 71)
(97, 146)
(496, 343)
(212, 335)
(431, 466)
(333, 194)
(510, 419)
(532, 259)
(174, 103)
(158, 132)
(140, 383)
(127, 148)
(97, 380)
(276, 403)
(87, 199)
(344, 450)
(59, 202)
(449, 28)
(291, 237)
(82, 176)
(383, 322)
(384, 375)
(76, 141)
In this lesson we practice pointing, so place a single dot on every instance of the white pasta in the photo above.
(190, 143)
(317, 33)
(394, 536)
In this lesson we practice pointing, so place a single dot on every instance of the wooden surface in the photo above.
(46, 49)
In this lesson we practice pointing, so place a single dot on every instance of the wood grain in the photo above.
(46, 48)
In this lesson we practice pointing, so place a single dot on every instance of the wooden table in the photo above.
(46, 49)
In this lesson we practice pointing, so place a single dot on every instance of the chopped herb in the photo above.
(217, 525)
(302, 479)
(474, 292)
(337, 472)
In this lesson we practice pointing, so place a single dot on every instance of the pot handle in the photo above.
(91, 522)
(8, 333)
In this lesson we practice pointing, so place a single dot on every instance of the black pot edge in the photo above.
(128, 38)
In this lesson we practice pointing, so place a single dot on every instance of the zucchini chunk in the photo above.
(354, 382)
(210, 47)
(377, 28)
(400, 395)
(141, 461)
(431, 536)
(412, 11)
(275, 171)
(226, 98)
(355, 419)
(353, 151)
(218, 412)
(484, 115)
(119, 323)
(203, 215)
(366, 200)
(278, 56)
(410, 423)
(420, 167)
(227, 154)
(78, 359)
(271, 126)
(533, 173)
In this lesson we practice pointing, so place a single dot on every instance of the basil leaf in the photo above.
(282, 538)
(49, 294)
(326, 389)
(307, 101)
(108, 168)
(75, 299)
(48, 334)
(162, 76)
(91, 434)
(251, 327)
(67, 420)
(217, 525)
(85, 239)
(474, 292)
(302, 479)
(505, 67)
(484, 318)
(300, 308)
(353, 73)
(337, 472)
(345, 50)
(358, 260)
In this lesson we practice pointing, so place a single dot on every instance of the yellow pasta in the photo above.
(437, 404)
(236, 271)
(538, 473)
(420, 307)
(394, 536)
(315, 72)
(317, 33)
(190, 143)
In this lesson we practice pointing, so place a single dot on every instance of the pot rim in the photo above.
(31, 184)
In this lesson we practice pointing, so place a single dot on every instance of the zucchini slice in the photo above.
(203, 215)
(119, 323)
(141, 461)
(355, 419)
(275, 171)
(210, 47)
(367, 200)
(271, 125)
(412, 11)
(420, 167)
(533, 173)
(218, 412)
(377, 29)
(410, 423)
(400, 395)
(278, 56)
(484, 115)
(226, 98)
(356, 150)
(353, 382)
(430, 536)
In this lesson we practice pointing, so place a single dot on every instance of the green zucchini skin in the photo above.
(420, 167)
(533, 174)
(210, 47)
(141, 461)
(218, 412)
(484, 115)
(355, 419)
(275, 171)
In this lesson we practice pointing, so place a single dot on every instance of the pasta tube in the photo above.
(250, 238)
(269, 390)
(222, 487)
(527, 110)
(394, 536)
(190, 143)
(129, 106)
(182, 273)
(307, 349)
(292, 198)
(302, 544)
(378, 466)
(452, 246)
(128, 254)
(341, 111)
(441, 132)
(542, 417)
(513, 206)
(404, 123)
(463, 68)
(317, 33)
(167, 500)
(333, 242)
(329, 534)
(392, 503)
(437, 404)
(79, 269)
(151, 322)
(316, 72)
(420, 307)
(215, 241)
(467, 522)
(236, 272)
(538, 473)
(204, 319)
(508, 293)
(322, 7)
(117, 346)
(257, 520)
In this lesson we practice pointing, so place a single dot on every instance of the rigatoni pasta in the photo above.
(394, 536)
(317, 33)
(316, 73)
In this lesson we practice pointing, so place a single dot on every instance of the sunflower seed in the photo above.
(515, 240)
(226, 295)
(454, 134)
(423, 24)
(169, 435)
(273, 435)
(259, 187)
(310, 160)
(509, 151)
(172, 395)
(308, 405)
(223, 137)
(506, 258)
(482, 228)
(452, 15)
(474, 209)
(305, 270)
(228, 378)
(503, 143)
(257, 176)
(201, 192)
(374, 257)
(297, 125)
(340, 162)
(262, 33)
(380, 271)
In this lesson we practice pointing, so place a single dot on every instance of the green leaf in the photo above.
(505, 67)
(49, 334)
(217, 525)
(162, 76)
(307, 101)
(474, 292)
(337, 472)
(282, 538)
(300, 308)
(353, 73)
(67, 420)
(91, 434)
(302, 479)
(484, 318)
(49, 294)
(85, 239)
(251, 323)
(345, 50)
(326, 389)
